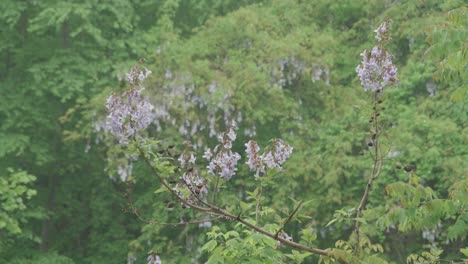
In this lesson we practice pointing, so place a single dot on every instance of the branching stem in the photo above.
(214, 210)
(376, 167)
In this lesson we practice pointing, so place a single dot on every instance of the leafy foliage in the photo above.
(15, 190)
(283, 69)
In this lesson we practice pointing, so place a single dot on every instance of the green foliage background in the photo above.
(61, 59)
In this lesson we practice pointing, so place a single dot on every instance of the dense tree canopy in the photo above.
(70, 193)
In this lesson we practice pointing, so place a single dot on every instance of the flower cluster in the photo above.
(377, 70)
(195, 186)
(273, 157)
(154, 259)
(224, 162)
(129, 112)
(135, 76)
(187, 157)
(381, 33)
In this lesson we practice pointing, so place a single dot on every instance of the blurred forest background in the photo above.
(282, 69)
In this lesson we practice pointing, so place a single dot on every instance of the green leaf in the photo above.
(331, 222)
(464, 251)
(361, 220)
(210, 246)
(161, 190)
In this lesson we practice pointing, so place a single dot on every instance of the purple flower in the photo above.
(255, 161)
(224, 164)
(382, 31)
(273, 157)
(186, 158)
(224, 161)
(154, 259)
(135, 76)
(208, 154)
(192, 188)
(128, 114)
(377, 71)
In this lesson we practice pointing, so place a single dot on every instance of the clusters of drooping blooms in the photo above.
(129, 112)
(178, 94)
(255, 160)
(196, 187)
(290, 69)
(222, 160)
(273, 157)
(377, 71)
(154, 259)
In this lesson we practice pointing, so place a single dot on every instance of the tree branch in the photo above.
(214, 210)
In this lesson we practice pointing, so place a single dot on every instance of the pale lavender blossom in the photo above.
(135, 76)
(186, 159)
(124, 171)
(224, 161)
(268, 159)
(255, 162)
(232, 134)
(381, 31)
(128, 114)
(208, 154)
(377, 71)
(154, 259)
(196, 187)
(224, 164)
(273, 157)
(281, 151)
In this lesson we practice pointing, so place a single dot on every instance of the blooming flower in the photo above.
(154, 259)
(195, 186)
(382, 31)
(135, 76)
(224, 161)
(208, 154)
(377, 71)
(273, 157)
(224, 164)
(129, 112)
(186, 159)
(281, 152)
(255, 161)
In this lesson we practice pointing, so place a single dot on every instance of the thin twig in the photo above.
(288, 219)
(376, 169)
(194, 193)
(163, 182)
